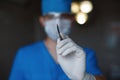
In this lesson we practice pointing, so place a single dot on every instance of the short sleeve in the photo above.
(17, 68)
(91, 63)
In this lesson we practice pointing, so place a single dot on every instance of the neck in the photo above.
(49, 42)
(51, 46)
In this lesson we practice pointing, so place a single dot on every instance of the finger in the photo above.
(69, 51)
(65, 47)
(62, 43)
(80, 53)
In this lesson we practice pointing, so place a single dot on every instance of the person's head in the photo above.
(56, 12)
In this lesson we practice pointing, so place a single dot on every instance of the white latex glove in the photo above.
(71, 58)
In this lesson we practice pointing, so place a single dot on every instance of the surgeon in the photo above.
(53, 58)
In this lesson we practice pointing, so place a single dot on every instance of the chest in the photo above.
(44, 69)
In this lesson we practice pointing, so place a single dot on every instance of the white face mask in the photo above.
(51, 27)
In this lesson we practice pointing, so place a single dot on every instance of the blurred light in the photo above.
(81, 18)
(86, 6)
(75, 7)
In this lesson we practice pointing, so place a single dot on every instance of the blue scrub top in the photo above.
(34, 62)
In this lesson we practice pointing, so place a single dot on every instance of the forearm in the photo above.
(92, 77)
(100, 78)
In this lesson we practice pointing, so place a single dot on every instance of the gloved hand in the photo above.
(71, 58)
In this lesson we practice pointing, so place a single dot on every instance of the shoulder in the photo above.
(88, 50)
(30, 47)
(91, 62)
(90, 53)
(29, 50)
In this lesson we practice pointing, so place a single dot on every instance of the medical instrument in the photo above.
(59, 33)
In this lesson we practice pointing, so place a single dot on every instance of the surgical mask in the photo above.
(51, 27)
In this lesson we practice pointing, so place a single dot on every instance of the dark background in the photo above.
(19, 26)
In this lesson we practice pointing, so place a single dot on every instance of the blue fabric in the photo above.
(34, 62)
(62, 6)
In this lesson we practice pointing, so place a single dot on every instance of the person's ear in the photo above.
(41, 20)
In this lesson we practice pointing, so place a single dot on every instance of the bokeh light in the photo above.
(75, 7)
(86, 6)
(81, 18)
